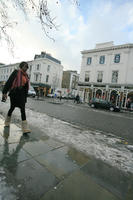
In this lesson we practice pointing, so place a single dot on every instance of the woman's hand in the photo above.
(4, 97)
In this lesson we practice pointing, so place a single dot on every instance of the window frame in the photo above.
(102, 59)
(117, 60)
(87, 79)
(89, 60)
(47, 78)
(112, 79)
(36, 77)
(38, 67)
(48, 68)
(98, 78)
(30, 68)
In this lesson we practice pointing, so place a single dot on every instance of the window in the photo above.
(47, 77)
(117, 58)
(30, 68)
(89, 60)
(100, 77)
(102, 59)
(114, 76)
(87, 76)
(48, 68)
(38, 67)
(36, 77)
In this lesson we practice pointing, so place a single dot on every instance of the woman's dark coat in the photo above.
(18, 96)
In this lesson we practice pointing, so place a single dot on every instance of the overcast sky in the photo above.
(95, 21)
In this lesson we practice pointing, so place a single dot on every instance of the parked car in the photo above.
(31, 92)
(68, 96)
(100, 103)
(50, 95)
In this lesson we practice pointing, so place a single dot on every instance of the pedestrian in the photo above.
(60, 97)
(55, 95)
(17, 85)
(38, 92)
(128, 103)
(77, 98)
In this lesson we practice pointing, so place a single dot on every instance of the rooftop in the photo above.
(46, 55)
(107, 46)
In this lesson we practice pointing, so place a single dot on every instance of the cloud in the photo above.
(80, 28)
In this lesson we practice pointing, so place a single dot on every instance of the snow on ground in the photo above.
(105, 147)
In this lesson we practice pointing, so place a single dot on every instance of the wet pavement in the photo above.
(37, 167)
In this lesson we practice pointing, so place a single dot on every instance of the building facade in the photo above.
(106, 72)
(70, 81)
(5, 71)
(45, 72)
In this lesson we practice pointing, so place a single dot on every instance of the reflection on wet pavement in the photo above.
(7, 190)
(78, 157)
(79, 186)
(58, 162)
(114, 180)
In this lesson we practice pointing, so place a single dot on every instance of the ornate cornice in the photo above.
(104, 84)
(124, 46)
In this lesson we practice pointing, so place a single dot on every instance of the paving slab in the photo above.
(12, 154)
(79, 186)
(8, 190)
(111, 178)
(1, 121)
(13, 131)
(61, 161)
(1, 140)
(33, 180)
(36, 148)
(53, 143)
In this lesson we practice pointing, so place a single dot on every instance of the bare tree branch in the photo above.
(38, 8)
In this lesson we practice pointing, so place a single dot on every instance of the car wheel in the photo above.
(111, 109)
(92, 106)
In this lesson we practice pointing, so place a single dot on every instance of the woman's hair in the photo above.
(22, 64)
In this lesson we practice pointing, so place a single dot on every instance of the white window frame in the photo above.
(117, 58)
(48, 68)
(102, 59)
(38, 67)
(99, 76)
(114, 78)
(47, 78)
(36, 77)
(87, 76)
(89, 60)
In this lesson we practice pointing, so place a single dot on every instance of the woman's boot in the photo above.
(25, 127)
(7, 120)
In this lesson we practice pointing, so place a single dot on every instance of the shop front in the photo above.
(119, 95)
(41, 89)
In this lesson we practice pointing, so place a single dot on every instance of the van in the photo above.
(31, 92)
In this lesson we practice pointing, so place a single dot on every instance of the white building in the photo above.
(5, 71)
(107, 72)
(44, 71)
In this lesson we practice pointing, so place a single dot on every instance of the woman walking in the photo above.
(17, 85)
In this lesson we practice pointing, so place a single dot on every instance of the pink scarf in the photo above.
(20, 80)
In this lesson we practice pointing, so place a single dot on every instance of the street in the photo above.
(119, 124)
